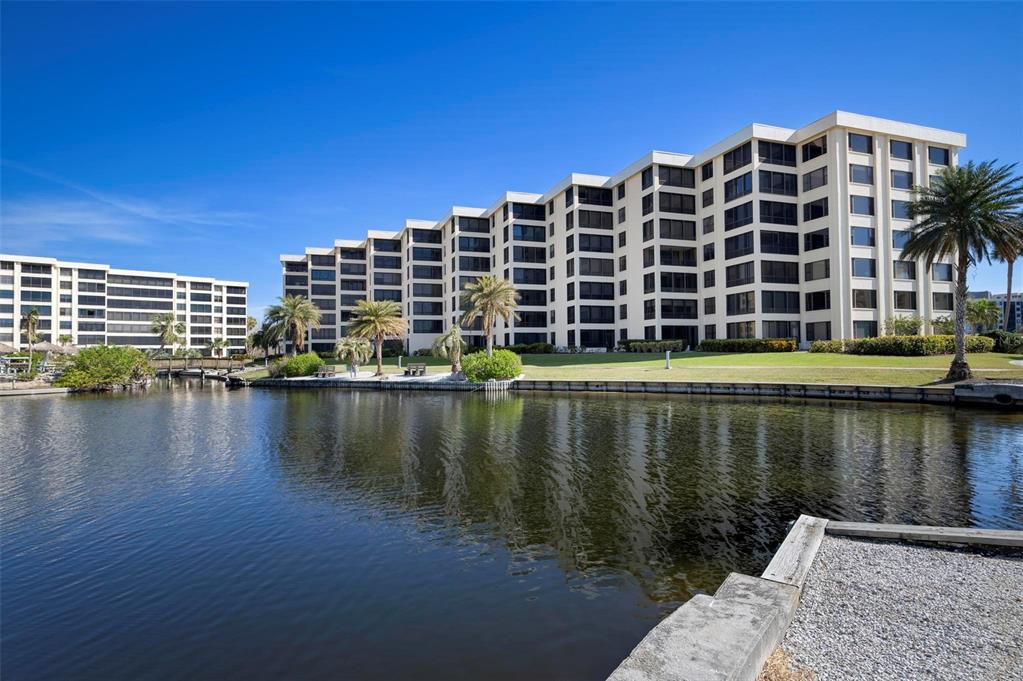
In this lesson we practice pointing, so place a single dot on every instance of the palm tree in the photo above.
(964, 215)
(353, 351)
(30, 329)
(451, 345)
(982, 314)
(267, 336)
(1007, 253)
(294, 315)
(488, 298)
(168, 328)
(65, 339)
(216, 346)
(377, 320)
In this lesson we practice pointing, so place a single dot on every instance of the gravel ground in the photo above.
(885, 610)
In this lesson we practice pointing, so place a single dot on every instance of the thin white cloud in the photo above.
(32, 223)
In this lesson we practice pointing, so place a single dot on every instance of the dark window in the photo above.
(861, 205)
(818, 269)
(740, 330)
(905, 300)
(427, 254)
(707, 170)
(818, 300)
(778, 213)
(596, 290)
(473, 264)
(777, 153)
(648, 230)
(861, 174)
(708, 197)
(531, 211)
(678, 256)
(427, 290)
(670, 202)
(595, 196)
(386, 279)
(738, 186)
(466, 224)
(474, 244)
(595, 219)
(772, 182)
(532, 296)
(738, 157)
(708, 279)
(818, 331)
(708, 252)
(597, 267)
(621, 193)
(387, 245)
(815, 148)
(864, 328)
(941, 272)
(900, 237)
(529, 275)
(352, 285)
(815, 209)
(779, 272)
(388, 262)
(741, 274)
(941, 301)
(861, 143)
(529, 254)
(816, 239)
(647, 178)
(596, 314)
(708, 224)
(648, 204)
(904, 269)
(780, 302)
(677, 177)
(739, 245)
(900, 210)
(678, 229)
(740, 303)
(532, 318)
(815, 178)
(709, 305)
(902, 150)
(321, 260)
(528, 233)
(937, 156)
(352, 268)
(779, 329)
(648, 282)
(678, 282)
(902, 179)
(739, 216)
(783, 243)
(596, 243)
(673, 308)
(864, 299)
(864, 267)
(862, 236)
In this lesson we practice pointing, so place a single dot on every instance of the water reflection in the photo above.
(677, 492)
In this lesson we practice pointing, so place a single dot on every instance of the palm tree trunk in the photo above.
(490, 340)
(30, 345)
(1008, 294)
(960, 369)
(379, 342)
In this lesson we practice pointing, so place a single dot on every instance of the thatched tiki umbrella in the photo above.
(6, 349)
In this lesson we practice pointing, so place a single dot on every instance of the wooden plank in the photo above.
(792, 560)
(928, 533)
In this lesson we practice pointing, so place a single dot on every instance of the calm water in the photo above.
(200, 534)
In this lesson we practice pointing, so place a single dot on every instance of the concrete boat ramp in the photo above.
(845, 609)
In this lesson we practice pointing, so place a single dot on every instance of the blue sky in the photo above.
(209, 138)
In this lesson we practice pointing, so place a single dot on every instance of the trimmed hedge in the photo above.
(658, 346)
(301, 365)
(1006, 341)
(748, 345)
(504, 365)
(903, 346)
(626, 343)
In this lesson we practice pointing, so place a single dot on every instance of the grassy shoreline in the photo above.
(792, 367)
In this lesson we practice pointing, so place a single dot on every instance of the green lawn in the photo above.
(795, 367)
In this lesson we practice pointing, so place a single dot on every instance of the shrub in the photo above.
(531, 348)
(826, 346)
(903, 326)
(914, 346)
(943, 326)
(748, 345)
(302, 365)
(658, 346)
(1006, 341)
(423, 352)
(626, 343)
(504, 365)
(102, 367)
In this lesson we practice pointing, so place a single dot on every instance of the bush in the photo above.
(423, 352)
(302, 365)
(658, 346)
(626, 343)
(504, 365)
(1006, 341)
(748, 345)
(943, 326)
(826, 346)
(103, 367)
(903, 326)
(914, 346)
(531, 348)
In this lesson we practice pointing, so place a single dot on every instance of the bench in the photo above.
(416, 370)
(326, 371)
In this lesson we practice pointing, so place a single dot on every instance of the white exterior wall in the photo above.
(94, 309)
(839, 221)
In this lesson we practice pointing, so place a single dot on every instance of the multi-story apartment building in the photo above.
(96, 304)
(771, 232)
(1013, 308)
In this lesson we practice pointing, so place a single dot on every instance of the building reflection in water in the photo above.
(677, 492)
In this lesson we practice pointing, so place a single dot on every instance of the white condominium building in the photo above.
(97, 304)
(770, 233)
